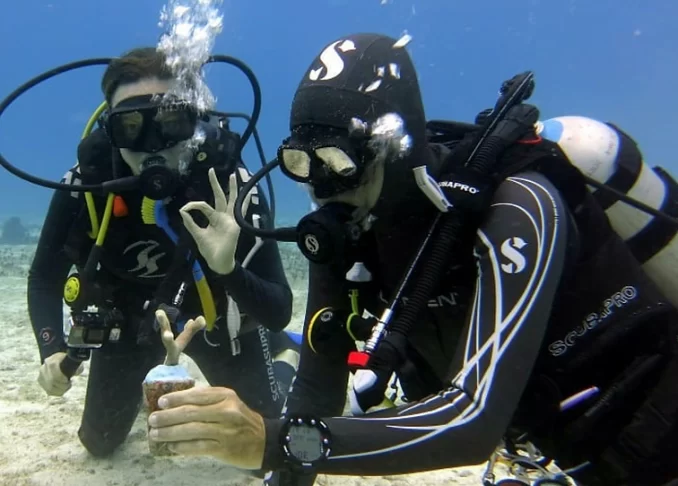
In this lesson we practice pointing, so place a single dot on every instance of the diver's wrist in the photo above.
(224, 268)
(274, 459)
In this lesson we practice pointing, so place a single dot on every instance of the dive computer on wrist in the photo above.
(305, 441)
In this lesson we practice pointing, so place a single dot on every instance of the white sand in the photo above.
(38, 435)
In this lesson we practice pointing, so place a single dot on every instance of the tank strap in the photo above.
(629, 164)
(658, 233)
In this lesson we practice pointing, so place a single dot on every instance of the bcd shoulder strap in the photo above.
(547, 158)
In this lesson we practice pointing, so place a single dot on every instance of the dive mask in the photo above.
(143, 124)
(330, 161)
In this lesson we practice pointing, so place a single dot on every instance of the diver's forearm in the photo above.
(267, 303)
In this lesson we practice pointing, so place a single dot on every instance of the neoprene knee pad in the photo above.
(100, 444)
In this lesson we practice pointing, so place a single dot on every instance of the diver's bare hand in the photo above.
(217, 242)
(51, 379)
(210, 421)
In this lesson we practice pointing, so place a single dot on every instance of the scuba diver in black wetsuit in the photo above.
(473, 261)
(157, 254)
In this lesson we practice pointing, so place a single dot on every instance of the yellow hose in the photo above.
(207, 302)
(89, 198)
(106, 219)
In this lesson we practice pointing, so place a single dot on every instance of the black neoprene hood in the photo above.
(366, 76)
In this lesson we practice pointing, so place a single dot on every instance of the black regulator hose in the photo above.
(262, 156)
(21, 90)
(288, 234)
(502, 128)
(443, 249)
(256, 92)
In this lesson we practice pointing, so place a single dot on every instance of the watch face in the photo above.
(305, 443)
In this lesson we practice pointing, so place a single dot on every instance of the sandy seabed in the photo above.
(38, 433)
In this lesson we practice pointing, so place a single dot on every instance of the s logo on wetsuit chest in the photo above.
(147, 256)
(510, 250)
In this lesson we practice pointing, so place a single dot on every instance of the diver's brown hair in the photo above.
(133, 65)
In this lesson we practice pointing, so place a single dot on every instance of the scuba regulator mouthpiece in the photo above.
(156, 180)
(327, 235)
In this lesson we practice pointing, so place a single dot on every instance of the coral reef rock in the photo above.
(14, 232)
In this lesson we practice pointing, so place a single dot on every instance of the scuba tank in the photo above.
(606, 155)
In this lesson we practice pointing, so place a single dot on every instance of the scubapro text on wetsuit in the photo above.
(615, 301)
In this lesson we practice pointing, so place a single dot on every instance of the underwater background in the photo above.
(613, 60)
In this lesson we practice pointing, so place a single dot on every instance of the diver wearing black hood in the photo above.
(481, 347)
(366, 89)
(329, 112)
(535, 267)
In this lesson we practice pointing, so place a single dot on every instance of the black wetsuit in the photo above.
(136, 258)
(492, 337)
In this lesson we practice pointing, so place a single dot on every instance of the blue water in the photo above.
(609, 59)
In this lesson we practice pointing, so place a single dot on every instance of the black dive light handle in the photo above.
(512, 92)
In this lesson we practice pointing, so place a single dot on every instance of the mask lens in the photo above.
(337, 160)
(297, 163)
(177, 125)
(127, 128)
